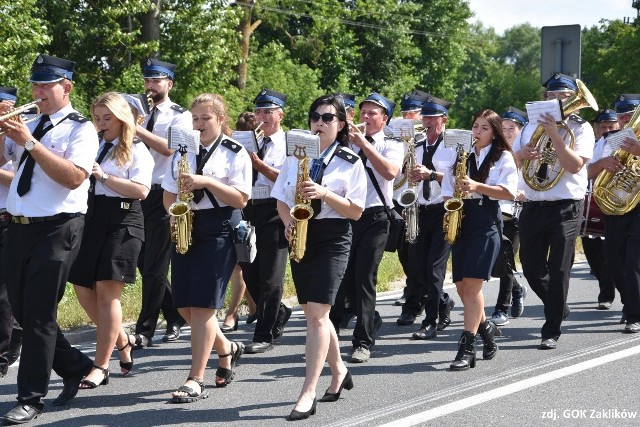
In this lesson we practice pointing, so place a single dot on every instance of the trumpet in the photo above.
(19, 111)
(150, 104)
(259, 133)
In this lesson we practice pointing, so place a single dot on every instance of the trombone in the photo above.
(18, 111)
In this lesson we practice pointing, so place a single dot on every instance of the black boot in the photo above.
(466, 357)
(487, 331)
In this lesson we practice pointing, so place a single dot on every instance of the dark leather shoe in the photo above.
(425, 333)
(22, 413)
(632, 328)
(142, 341)
(258, 347)
(444, 316)
(172, 334)
(70, 388)
(548, 344)
(406, 319)
(283, 317)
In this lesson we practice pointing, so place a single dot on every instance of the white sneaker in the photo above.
(500, 318)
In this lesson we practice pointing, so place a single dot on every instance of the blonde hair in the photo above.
(217, 106)
(120, 108)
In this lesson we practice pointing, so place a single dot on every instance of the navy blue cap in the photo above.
(156, 69)
(560, 83)
(413, 100)
(49, 69)
(627, 102)
(349, 100)
(607, 115)
(380, 100)
(433, 106)
(8, 93)
(516, 115)
(270, 99)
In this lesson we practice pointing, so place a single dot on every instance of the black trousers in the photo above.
(594, 251)
(7, 321)
(153, 263)
(403, 247)
(508, 280)
(264, 277)
(548, 233)
(35, 264)
(622, 244)
(360, 279)
(428, 258)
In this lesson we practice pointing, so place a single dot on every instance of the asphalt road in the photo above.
(590, 379)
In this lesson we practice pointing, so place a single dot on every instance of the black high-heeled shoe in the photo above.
(252, 318)
(225, 329)
(297, 415)
(86, 384)
(127, 366)
(347, 384)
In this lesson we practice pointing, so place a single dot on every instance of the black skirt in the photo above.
(318, 274)
(111, 242)
(199, 277)
(476, 248)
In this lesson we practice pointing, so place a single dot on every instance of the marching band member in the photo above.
(113, 231)
(429, 254)
(338, 182)
(48, 197)
(349, 105)
(265, 275)
(549, 219)
(491, 176)
(153, 261)
(199, 277)
(511, 292)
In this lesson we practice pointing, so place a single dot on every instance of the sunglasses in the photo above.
(327, 118)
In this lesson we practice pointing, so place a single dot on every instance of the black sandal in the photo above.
(191, 395)
(228, 374)
(127, 366)
(87, 384)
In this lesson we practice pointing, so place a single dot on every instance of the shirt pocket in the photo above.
(58, 145)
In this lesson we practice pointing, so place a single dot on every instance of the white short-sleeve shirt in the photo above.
(138, 169)
(275, 155)
(443, 159)
(4, 191)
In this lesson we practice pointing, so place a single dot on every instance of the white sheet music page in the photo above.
(536, 109)
(616, 139)
(247, 138)
(301, 142)
(402, 128)
(184, 139)
(454, 138)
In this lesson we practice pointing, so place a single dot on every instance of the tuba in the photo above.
(29, 108)
(301, 212)
(180, 210)
(618, 193)
(544, 173)
(452, 221)
(408, 199)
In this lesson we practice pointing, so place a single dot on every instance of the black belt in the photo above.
(268, 200)
(553, 202)
(24, 220)
(507, 215)
(427, 208)
(372, 210)
(156, 187)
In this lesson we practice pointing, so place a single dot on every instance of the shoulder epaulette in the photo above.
(231, 145)
(77, 117)
(347, 155)
(577, 119)
(178, 108)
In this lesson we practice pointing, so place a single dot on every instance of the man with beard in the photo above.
(153, 261)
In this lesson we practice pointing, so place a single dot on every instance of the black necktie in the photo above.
(199, 193)
(103, 153)
(361, 153)
(427, 160)
(473, 166)
(261, 153)
(152, 119)
(24, 184)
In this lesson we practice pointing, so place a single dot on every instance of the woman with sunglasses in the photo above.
(337, 188)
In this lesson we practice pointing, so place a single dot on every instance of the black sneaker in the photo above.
(517, 301)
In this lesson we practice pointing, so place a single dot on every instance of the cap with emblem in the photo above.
(349, 100)
(433, 106)
(156, 69)
(8, 93)
(413, 100)
(560, 83)
(607, 115)
(627, 102)
(270, 99)
(49, 69)
(515, 115)
(380, 100)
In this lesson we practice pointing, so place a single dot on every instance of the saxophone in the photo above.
(180, 210)
(617, 193)
(301, 212)
(408, 199)
(452, 221)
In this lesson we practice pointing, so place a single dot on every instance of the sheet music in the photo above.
(454, 138)
(615, 139)
(538, 108)
(303, 140)
(247, 138)
(402, 128)
(183, 138)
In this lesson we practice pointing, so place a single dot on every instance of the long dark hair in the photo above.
(338, 103)
(499, 143)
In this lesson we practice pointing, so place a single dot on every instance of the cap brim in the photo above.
(432, 113)
(45, 78)
(406, 110)
(267, 105)
(156, 76)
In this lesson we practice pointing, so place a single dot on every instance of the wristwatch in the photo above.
(104, 177)
(433, 176)
(30, 145)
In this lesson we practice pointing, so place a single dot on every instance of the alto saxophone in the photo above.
(301, 212)
(452, 221)
(180, 210)
(408, 199)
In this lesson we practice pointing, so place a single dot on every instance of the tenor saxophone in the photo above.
(180, 210)
(301, 212)
(408, 199)
(452, 221)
